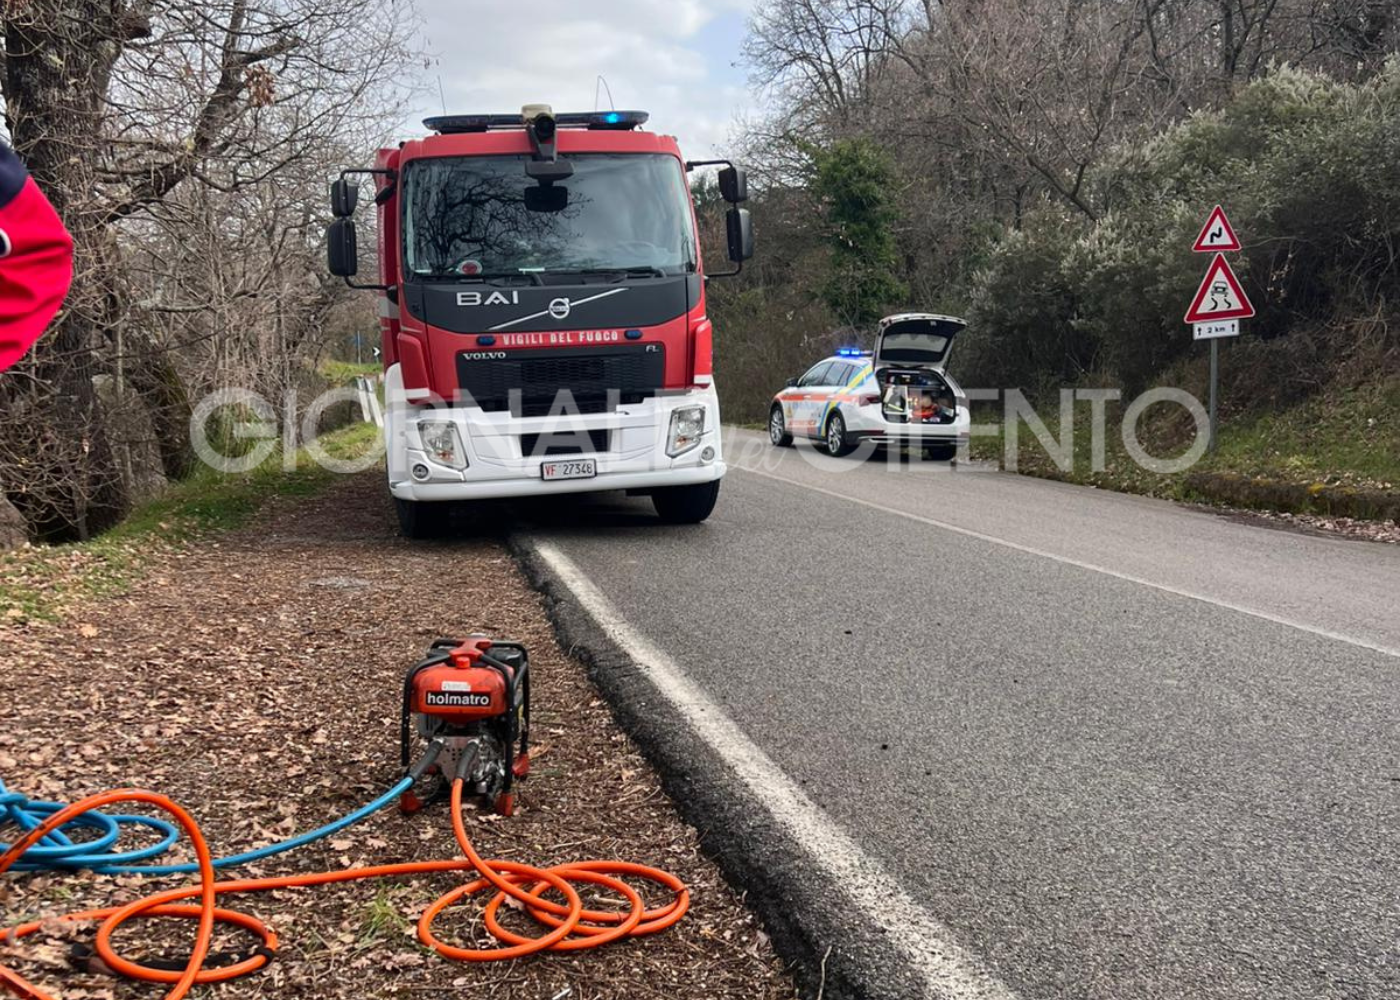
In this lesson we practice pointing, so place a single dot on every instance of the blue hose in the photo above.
(57, 852)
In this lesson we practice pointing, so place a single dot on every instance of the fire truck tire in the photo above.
(941, 452)
(686, 504)
(777, 428)
(419, 520)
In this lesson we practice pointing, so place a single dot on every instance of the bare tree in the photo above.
(1021, 97)
(118, 104)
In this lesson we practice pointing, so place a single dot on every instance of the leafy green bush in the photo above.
(1309, 171)
(1021, 329)
(854, 180)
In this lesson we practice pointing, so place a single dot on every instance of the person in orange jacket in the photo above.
(36, 260)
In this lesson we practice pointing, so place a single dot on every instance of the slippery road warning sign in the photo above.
(1217, 234)
(1220, 296)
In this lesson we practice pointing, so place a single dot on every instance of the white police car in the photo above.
(899, 394)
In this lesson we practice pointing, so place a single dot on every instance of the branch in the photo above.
(1070, 195)
(220, 110)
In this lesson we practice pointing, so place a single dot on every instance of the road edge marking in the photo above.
(1165, 588)
(945, 967)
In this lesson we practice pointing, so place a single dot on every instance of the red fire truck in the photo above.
(542, 312)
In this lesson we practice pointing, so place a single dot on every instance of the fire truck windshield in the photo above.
(476, 216)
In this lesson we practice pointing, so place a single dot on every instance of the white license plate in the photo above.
(584, 468)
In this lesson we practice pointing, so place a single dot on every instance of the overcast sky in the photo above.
(673, 58)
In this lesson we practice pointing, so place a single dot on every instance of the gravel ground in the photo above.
(255, 678)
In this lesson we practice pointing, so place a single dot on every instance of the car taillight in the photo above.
(868, 400)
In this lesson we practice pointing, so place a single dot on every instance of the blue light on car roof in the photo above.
(612, 118)
(849, 352)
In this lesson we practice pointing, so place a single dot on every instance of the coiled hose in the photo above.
(58, 851)
(570, 926)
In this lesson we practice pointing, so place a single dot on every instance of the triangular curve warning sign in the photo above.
(1217, 234)
(1220, 295)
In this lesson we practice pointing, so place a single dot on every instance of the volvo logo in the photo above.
(559, 308)
(483, 355)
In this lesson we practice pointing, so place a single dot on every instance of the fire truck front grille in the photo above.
(546, 407)
(534, 382)
(561, 371)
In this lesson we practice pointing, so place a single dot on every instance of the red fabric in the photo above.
(36, 268)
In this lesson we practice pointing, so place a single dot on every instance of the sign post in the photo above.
(1220, 302)
(1214, 382)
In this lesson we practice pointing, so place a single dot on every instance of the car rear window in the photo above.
(912, 347)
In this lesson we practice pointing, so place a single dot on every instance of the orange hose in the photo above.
(569, 926)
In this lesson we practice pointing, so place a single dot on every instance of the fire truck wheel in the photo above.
(777, 428)
(686, 504)
(941, 452)
(421, 520)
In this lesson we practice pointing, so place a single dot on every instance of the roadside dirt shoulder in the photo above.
(255, 678)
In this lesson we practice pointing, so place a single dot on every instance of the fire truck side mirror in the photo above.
(734, 184)
(344, 196)
(739, 228)
(341, 249)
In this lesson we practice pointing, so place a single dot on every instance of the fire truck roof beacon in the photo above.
(621, 121)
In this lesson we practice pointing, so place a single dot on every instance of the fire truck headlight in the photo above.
(443, 443)
(687, 425)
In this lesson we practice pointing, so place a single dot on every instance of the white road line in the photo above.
(946, 969)
(1069, 561)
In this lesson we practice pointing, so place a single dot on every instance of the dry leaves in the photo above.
(268, 706)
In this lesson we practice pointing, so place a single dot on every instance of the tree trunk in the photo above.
(14, 531)
(61, 470)
(153, 376)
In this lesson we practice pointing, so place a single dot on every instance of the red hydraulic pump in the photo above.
(473, 696)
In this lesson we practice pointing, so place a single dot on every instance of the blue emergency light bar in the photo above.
(850, 352)
(456, 124)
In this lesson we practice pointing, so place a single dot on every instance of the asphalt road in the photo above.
(1119, 748)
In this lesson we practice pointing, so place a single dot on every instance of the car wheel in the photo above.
(777, 429)
(686, 504)
(835, 437)
(941, 452)
(418, 520)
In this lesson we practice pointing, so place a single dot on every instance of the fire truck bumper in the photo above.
(498, 488)
(638, 447)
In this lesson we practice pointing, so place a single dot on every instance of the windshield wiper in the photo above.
(529, 277)
(639, 271)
